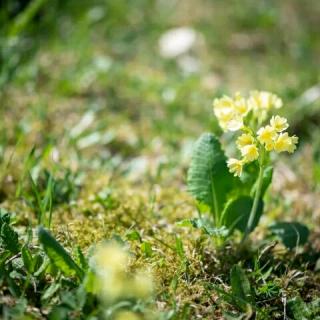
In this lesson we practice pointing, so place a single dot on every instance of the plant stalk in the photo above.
(254, 208)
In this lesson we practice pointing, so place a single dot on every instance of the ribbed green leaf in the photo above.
(58, 255)
(9, 238)
(209, 179)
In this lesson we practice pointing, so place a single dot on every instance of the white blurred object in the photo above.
(189, 64)
(96, 13)
(311, 95)
(176, 42)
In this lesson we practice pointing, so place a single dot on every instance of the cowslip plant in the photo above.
(234, 188)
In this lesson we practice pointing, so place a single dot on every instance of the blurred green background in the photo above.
(108, 81)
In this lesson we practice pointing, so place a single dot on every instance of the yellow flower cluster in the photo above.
(274, 138)
(235, 114)
(110, 263)
(231, 112)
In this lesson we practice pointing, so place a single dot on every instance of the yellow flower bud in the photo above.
(250, 152)
(235, 166)
(279, 123)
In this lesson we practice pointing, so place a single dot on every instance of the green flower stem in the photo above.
(257, 196)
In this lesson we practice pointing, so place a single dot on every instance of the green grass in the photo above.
(97, 130)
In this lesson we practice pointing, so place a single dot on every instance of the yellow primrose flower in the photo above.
(264, 100)
(258, 100)
(240, 104)
(127, 315)
(285, 143)
(142, 285)
(293, 146)
(110, 262)
(250, 152)
(111, 256)
(279, 123)
(235, 124)
(219, 105)
(266, 135)
(276, 101)
(235, 166)
(229, 118)
(269, 146)
(244, 140)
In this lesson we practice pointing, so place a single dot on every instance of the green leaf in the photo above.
(58, 255)
(206, 226)
(146, 249)
(237, 212)
(241, 288)
(50, 291)
(82, 259)
(209, 179)
(292, 234)
(134, 235)
(179, 248)
(9, 238)
(4, 217)
(18, 311)
(27, 259)
(298, 309)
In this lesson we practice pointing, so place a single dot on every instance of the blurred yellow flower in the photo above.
(229, 118)
(276, 101)
(127, 315)
(264, 100)
(113, 281)
(235, 166)
(110, 262)
(266, 135)
(269, 146)
(250, 152)
(111, 256)
(285, 143)
(223, 104)
(279, 123)
(294, 142)
(240, 104)
(142, 284)
(244, 140)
